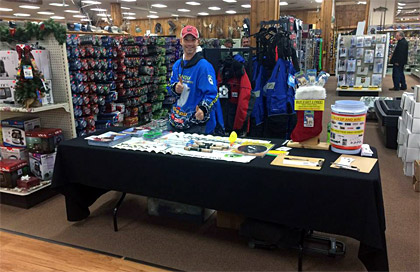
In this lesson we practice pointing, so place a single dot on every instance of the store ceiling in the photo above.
(138, 9)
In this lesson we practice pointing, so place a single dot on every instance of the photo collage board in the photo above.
(361, 61)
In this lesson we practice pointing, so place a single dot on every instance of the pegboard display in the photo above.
(52, 116)
(361, 62)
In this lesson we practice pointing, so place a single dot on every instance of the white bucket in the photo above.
(348, 120)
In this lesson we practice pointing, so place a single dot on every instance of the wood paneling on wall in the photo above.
(219, 22)
(307, 16)
(348, 15)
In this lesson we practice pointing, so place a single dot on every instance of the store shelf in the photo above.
(20, 192)
(395, 30)
(14, 108)
(97, 33)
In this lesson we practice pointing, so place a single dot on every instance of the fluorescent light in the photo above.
(129, 0)
(184, 10)
(129, 13)
(203, 13)
(91, 2)
(71, 11)
(45, 12)
(230, 1)
(79, 16)
(193, 3)
(57, 17)
(102, 15)
(284, 3)
(151, 11)
(318, 1)
(58, 4)
(29, 7)
(214, 8)
(401, 4)
(246, 6)
(125, 8)
(152, 16)
(175, 15)
(130, 18)
(230, 11)
(85, 20)
(6, 9)
(361, 3)
(98, 9)
(22, 14)
(159, 6)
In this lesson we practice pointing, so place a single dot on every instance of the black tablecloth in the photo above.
(331, 200)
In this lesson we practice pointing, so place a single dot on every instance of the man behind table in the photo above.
(193, 82)
(399, 59)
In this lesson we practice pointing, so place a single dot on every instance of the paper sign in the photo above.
(314, 105)
(27, 72)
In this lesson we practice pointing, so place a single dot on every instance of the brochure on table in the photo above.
(184, 144)
(361, 62)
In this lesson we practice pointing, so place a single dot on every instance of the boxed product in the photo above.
(7, 91)
(26, 182)
(8, 64)
(14, 153)
(42, 165)
(48, 96)
(14, 129)
(42, 61)
(43, 140)
(11, 171)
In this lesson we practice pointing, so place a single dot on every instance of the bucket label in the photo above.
(347, 131)
(313, 105)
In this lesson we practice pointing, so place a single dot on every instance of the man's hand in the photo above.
(179, 87)
(199, 114)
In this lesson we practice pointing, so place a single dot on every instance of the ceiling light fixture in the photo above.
(103, 15)
(361, 3)
(45, 12)
(129, 0)
(130, 18)
(71, 11)
(152, 16)
(193, 3)
(230, 1)
(29, 7)
(175, 15)
(318, 1)
(79, 16)
(125, 8)
(85, 20)
(129, 13)
(151, 11)
(401, 4)
(283, 3)
(230, 11)
(214, 8)
(57, 17)
(184, 10)
(6, 9)
(203, 13)
(159, 6)
(98, 9)
(22, 14)
(58, 4)
(246, 6)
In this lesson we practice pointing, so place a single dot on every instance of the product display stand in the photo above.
(361, 64)
(58, 115)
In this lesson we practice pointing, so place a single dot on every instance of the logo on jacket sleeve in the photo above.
(210, 79)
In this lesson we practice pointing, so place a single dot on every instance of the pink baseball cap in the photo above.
(189, 30)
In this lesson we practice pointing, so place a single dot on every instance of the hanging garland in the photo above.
(33, 30)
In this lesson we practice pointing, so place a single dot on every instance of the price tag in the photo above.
(27, 72)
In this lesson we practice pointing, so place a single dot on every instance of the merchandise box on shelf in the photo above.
(42, 165)
(11, 171)
(8, 64)
(14, 130)
(43, 62)
(14, 153)
(43, 140)
(26, 182)
(7, 91)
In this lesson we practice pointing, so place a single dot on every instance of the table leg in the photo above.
(116, 211)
